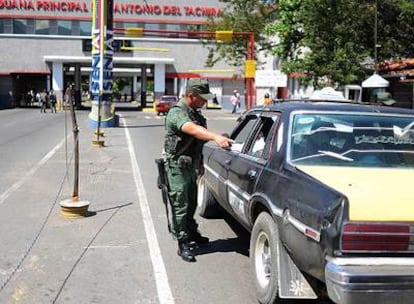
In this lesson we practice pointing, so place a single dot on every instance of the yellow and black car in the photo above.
(326, 189)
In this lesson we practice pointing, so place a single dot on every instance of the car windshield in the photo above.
(169, 98)
(360, 140)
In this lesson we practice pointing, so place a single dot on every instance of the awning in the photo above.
(375, 81)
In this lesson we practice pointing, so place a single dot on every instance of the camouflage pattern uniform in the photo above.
(184, 160)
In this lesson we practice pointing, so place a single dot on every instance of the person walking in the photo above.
(235, 101)
(52, 101)
(68, 95)
(43, 101)
(186, 132)
(267, 101)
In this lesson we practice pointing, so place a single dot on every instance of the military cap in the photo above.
(200, 87)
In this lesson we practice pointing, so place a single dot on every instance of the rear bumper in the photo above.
(370, 280)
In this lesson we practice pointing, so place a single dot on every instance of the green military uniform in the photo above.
(184, 159)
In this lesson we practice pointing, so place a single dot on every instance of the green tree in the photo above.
(329, 41)
(333, 41)
(240, 16)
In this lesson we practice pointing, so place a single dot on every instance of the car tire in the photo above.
(207, 204)
(158, 113)
(263, 258)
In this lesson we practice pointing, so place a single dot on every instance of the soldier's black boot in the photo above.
(196, 239)
(184, 251)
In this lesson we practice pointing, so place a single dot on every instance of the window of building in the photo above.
(42, 27)
(30, 26)
(85, 28)
(152, 26)
(119, 25)
(19, 26)
(53, 27)
(1, 26)
(64, 27)
(75, 27)
(8, 26)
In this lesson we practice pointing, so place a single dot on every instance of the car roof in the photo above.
(330, 106)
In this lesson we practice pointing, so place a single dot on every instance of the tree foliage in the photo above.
(328, 41)
(240, 16)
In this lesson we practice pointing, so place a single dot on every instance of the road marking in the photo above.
(161, 278)
(29, 174)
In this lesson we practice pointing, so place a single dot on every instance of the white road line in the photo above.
(161, 278)
(29, 174)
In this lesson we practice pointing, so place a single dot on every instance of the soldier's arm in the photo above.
(202, 133)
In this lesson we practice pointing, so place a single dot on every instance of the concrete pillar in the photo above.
(175, 86)
(143, 86)
(78, 93)
(57, 80)
(159, 80)
(134, 87)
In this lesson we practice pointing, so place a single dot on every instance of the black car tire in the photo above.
(207, 204)
(263, 258)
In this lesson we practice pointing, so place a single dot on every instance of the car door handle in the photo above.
(251, 174)
(227, 161)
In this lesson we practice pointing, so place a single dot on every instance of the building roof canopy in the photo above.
(375, 81)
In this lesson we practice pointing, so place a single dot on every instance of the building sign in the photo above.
(129, 9)
(270, 79)
(41, 5)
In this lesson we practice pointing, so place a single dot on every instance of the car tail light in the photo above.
(377, 237)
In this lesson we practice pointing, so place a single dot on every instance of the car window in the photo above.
(262, 137)
(363, 140)
(241, 133)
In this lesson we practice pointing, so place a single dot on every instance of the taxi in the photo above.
(325, 188)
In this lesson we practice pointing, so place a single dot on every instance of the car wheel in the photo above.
(207, 204)
(263, 258)
(158, 113)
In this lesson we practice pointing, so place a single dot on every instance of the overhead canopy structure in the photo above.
(375, 81)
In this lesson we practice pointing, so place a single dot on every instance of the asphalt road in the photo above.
(122, 252)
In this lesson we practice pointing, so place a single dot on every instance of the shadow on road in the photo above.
(239, 244)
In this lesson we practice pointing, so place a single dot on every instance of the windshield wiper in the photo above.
(336, 155)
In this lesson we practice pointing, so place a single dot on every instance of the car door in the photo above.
(218, 162)
(245, 168)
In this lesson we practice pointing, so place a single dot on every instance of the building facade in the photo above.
(46, 44)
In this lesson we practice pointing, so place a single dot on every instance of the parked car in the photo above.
(164, 104)
(326, 190)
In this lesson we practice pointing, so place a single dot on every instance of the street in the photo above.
(122, 252)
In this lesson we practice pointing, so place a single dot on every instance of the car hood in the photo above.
(374, 194)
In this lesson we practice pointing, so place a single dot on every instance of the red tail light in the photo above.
(377, 237)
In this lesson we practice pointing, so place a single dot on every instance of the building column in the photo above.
(159, 80)
(134, 87)
(143, 86)
(78, 93)
(57, 80)
(176, 86)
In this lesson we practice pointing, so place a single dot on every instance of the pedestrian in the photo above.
(43, 101)
(215, 101)
(267, 101)
(235, 101)
(68, 95)
(52, 101)
(186, 132)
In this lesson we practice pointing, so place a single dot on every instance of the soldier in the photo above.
(185, 135)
